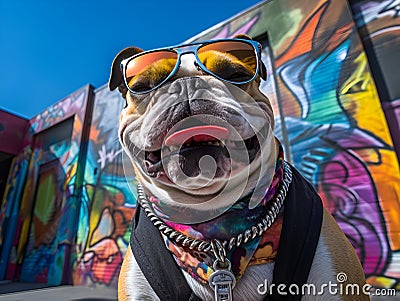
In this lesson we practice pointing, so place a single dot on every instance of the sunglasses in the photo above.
(235, 61)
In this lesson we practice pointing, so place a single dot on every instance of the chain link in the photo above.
(273, 209)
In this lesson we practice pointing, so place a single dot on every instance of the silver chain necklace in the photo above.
(222, 280)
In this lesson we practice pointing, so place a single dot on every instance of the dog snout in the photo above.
(177, 87)
(186, 89)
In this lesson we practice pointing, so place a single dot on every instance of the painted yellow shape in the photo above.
(104, 229)
(45, 198)
(360, 99)
(381, 281)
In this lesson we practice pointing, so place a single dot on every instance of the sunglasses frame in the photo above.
(192, 48)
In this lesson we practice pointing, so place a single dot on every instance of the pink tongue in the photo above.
(198, 134)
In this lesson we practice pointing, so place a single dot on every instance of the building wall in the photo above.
(12, 132)
(330, 116)
(378, 23)
(108, 201)
(47, 213)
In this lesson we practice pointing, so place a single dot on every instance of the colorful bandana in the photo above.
(259, 250)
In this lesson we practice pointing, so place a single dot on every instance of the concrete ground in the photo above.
(21, 291)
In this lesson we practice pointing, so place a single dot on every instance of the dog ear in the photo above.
(116, 78)
(243, 37)
(263, 69)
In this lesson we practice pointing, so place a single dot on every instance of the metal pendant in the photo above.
(222, 281)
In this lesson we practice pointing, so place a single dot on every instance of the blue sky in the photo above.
(49, 49)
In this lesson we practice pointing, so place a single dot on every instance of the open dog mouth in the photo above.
(185, 147)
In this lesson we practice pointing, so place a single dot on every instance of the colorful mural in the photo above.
(337, 131)
(335, 126)
(47, 218)
(378, 23)
(107, 203)
(12, 157)
(10, 206)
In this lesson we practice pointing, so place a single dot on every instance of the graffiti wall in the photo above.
(12, 134)
(10, 207)
(107, 203)
(68, 202)
(337, 132)
(46, 223)
(378, 23)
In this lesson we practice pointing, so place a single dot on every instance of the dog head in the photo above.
(196, 140)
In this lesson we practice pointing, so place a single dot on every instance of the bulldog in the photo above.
(214, 183)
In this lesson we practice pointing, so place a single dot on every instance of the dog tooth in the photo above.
(174, 148)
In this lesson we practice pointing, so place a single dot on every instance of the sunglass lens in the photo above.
(234, 61)
(147, 71)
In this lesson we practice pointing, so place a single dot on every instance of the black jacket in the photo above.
(299, 238)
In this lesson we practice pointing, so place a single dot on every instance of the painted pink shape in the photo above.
(244, 29)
